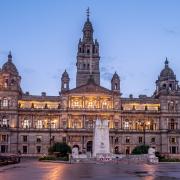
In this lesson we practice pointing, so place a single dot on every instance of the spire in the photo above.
(10, 57)
(88, 29)
(88, 13)
(166, 62)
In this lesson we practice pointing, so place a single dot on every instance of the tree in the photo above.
(143, 149)
(60, 148)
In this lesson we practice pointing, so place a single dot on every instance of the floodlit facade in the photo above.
(31, 124)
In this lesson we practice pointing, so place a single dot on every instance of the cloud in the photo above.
(172, 31)
(106, 73)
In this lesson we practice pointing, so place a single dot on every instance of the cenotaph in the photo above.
(101, 146)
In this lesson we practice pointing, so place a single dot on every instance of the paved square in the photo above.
(34, 170)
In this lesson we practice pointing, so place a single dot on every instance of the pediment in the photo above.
(90, 88)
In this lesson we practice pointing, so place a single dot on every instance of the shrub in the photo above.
(60, 149)
(143, 149)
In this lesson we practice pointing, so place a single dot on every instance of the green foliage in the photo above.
(169, 160)
(162, 158)
(60, 149)
(143, 149)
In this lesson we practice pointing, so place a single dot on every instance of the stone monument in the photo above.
(101, 146)
(151, 156)
(75, 153)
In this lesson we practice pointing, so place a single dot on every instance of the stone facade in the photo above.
(31, 124)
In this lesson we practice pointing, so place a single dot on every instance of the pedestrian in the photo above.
(19, 156)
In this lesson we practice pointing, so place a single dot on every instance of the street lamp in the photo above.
(49, 125)
(144, 124)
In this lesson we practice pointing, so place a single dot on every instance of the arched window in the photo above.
(164, 86)
(115, 86)
(53, 124)
(104, 104)
(39, 124)
(170, 86)
(88, 51)
(171, 106)
(6, 83)
(26, 123)
(65, 85)
(5, 102)
(76, 124)
(4, 121)
(126, 124)
(12, 81)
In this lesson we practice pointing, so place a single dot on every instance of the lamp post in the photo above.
(144, 124)
(49, 125)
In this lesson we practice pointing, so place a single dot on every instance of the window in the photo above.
(4, 122)
(127, 139)
(89, 124)
(140, 139)
(153, 140)
(39, 124)
(26, 123)
(104, 105)
(5, 102)
(116, 125)
(116, 140)
(6, 83)
(77, 124)
(24, 138)
(25, 149)
(115, 86)
(170, 87)
(64, 124)
(4, 148)
(172, 124)
(4, 138)
(164, 86)
(38, 139)
(171, 106)
(53, 124)
(90, 104)
(13, 82)
(173, 149)
(172, 140)
(126, 124)
(38, 149)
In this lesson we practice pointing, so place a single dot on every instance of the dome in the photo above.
(65, 74)
(115, 76)
(167, 72)
(9, 66)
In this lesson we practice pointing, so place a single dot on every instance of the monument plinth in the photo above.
(101, 138)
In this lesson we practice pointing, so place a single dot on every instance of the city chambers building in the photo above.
(31, 124)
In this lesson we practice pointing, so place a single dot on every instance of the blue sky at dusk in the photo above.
(135, 37)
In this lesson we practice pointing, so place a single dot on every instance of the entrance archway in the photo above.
(89, 146)
(116, 150)
(127, 150)
(76, 146)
